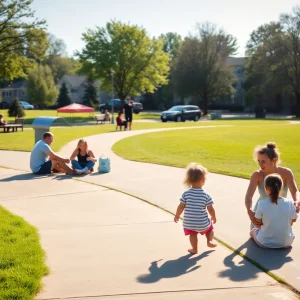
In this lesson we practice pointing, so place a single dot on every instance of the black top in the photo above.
(82, 158)
(128, 109)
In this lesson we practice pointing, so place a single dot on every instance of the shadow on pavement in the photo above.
(21, 177)
(271, 259)
(172, 268)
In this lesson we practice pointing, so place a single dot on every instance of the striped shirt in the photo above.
(195, 213)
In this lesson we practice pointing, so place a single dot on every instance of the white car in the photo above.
(26, 105)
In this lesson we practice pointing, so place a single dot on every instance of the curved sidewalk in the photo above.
(160, 185)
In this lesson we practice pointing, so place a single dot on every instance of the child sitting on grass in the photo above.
(195, 203)
(275, 216)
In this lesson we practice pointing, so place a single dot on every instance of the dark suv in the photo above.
(181, 113)
(4, 105)
(137, 107)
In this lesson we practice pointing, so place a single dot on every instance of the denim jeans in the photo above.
(78, 166)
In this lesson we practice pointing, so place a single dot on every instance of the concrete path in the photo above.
(163, 186)
(102, 244)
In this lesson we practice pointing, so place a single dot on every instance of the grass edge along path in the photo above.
(223, 150)
(22, 259)
(239, 253)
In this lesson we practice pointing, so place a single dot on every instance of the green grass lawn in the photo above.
(22, 259)
(226, 150)
(24, 140)
(74, 118)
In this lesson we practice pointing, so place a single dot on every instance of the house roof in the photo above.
(76, 80)
(236, 61)
(73, 80)
(16, 85)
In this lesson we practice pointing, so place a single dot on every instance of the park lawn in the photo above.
(74, 118)
(224, 150)
(24, 140)
(22, 259)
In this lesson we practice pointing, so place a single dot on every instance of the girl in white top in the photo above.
(275, 216)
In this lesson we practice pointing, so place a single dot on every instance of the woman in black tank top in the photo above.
(85, 158)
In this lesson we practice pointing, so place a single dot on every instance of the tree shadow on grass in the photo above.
(270, 259)
(172, 268)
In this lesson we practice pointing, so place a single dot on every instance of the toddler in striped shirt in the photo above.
(196, 202)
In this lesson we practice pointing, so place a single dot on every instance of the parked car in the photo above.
(4, 105)
(181, 113)
(26, 105)
(118, 106)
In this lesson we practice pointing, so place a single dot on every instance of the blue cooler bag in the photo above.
(104, 165)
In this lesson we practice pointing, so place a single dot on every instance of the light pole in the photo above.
(112, 96)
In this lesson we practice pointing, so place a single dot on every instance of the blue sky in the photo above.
(68, 19)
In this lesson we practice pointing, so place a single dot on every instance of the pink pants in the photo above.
(192, 232)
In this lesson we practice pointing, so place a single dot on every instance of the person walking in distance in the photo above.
(127, 111)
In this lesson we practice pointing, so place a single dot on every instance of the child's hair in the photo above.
(273, 183)
(120, 113)
(194, 173)
(270, 149)
(1, 116)
(84, 142)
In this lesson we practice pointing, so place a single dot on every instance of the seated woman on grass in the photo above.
(85, 158)
(268, 158)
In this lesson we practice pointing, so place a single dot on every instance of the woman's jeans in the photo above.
(79, 166)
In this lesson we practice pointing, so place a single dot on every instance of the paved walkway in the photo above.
(100, 242)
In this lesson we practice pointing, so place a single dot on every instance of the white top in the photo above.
(276, 231)
(38, 155)
(195, 213)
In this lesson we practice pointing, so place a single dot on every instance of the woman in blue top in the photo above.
(268, 158)
(85, 158)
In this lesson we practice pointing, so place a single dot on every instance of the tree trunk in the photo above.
(297, 105)
(205, 105)
(122, 98)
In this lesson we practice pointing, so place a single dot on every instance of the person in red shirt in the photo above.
(120, 121)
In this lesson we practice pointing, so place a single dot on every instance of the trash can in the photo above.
(43, 124)
(216, 115)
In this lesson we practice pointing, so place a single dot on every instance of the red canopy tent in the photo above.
(75, 108)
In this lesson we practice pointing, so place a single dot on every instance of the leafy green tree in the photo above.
(90, 94)
(16, 110)
(274, 59)
(64, 96)
(22, 39)
(41, 88)
(200, 68)
(57, 59)
(171, 43)
(138, 62)
(57, 46)
(262, 81)
(61, 66)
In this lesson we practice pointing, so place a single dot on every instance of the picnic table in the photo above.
(19, 123)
